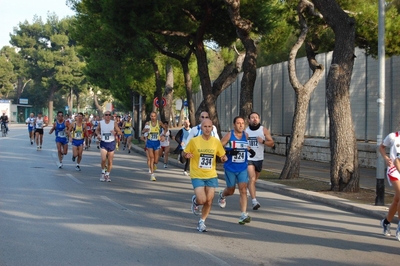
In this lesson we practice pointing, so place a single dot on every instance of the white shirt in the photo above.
(196, 131)
(106, 130)
(254, 144)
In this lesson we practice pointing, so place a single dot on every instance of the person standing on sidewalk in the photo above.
(393, 175)
(78, 132)
(236, 146)
(259, 136)
(202, 152)
(106, 131)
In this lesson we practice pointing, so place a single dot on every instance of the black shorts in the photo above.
(39, 130)
(257, 165)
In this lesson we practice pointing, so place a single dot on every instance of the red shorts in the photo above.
(393, 174)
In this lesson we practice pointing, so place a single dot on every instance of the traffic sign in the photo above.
(164, 102)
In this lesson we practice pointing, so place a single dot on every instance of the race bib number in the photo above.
(239, 158)
(78, 135)
(206, 161)
(61, 134)
(106, 136)
(253, 142)
(88, 128)
(39, 125)
(154, 136)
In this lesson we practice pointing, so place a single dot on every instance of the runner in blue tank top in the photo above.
(62, 136)
(236, 146)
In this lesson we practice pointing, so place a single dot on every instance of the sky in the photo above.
(12, 12)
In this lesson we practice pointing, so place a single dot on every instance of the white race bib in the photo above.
(239, 158)
(206, 161)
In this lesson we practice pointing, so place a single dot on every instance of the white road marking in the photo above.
(74, 179)
(119, 206)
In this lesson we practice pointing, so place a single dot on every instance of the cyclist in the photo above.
(4, 121)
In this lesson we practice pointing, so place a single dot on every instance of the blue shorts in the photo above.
(127, 135)
(210, 182)
(153, 144)
(30, 129)
(63, 141)
(232, 178)
(108, 146)
(77, 142)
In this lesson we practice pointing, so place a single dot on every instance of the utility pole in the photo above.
(380, 168)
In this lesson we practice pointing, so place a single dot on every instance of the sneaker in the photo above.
(386, 228)
(31, 142)
(107, 177)
(201, 227)
(37, 148)
(98, 147)
(221, 200)
(194, 207)
(256, 205)
(77, 168)
(185, 173)
(165, 165)
(153, 177)
(129, 151)
(244, 219)
(60, 165)
(398, 232)
(40, 147)
(124, 148)
(73, 158)
(102, 179)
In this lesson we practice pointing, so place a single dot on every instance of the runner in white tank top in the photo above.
(258, 137)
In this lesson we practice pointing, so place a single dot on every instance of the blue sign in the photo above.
(185, 103)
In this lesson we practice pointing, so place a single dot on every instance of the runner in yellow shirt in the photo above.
(202, 151)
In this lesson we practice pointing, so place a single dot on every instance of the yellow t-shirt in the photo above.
(154, 133)
(77, 133)
(203, 164)
(127, 128)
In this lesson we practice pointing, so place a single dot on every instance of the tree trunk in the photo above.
(21, 86)
(169, 93)
(344, 158)
(158, 93)
(243, 29)
(96, 103)
(303, 93)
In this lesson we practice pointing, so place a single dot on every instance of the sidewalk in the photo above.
(312, 170)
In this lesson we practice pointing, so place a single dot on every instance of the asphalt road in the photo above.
(51, 216)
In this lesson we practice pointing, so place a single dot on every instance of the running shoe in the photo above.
(40, 147)
(124, 148)
(398, 232)
(221, 200)
(201, 227)
(386, 228)
(60, 165)
(153, 177)
(194, 207)
(256, 205)
(77, 168)
(73, 158)
(185, 173)
(107, 177)
(129, 151)
(165, 165)
(31, 142)
(37, 148)
(244, 218)
(102, 179)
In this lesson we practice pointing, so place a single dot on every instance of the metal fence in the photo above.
(274, 98)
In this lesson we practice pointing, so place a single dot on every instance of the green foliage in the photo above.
(7, 76)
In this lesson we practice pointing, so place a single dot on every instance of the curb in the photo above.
(375, 212)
